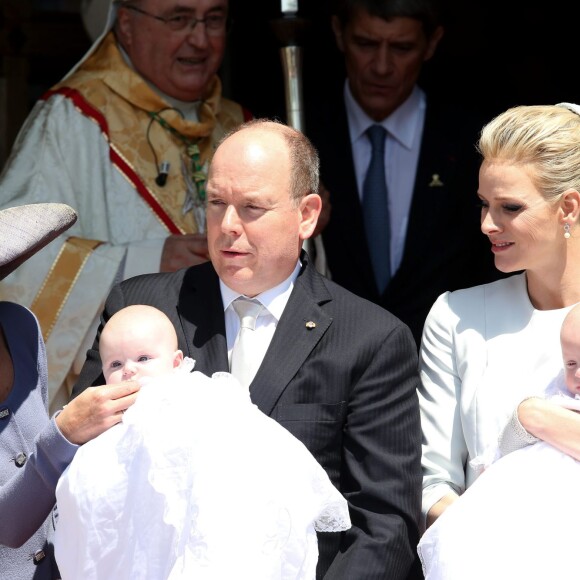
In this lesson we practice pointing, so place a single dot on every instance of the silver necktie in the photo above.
(243, 365)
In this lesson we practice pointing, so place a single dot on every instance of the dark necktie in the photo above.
(376, 209)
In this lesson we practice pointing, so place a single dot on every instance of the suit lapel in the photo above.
(338, 175)
(301, 326)
(202, 319)
(430, 204)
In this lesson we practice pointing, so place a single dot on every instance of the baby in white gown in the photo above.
(519, 518)
(196, 482)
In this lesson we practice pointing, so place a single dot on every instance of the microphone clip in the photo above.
(161, 178)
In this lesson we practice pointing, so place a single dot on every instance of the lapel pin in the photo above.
(310, 325)
(436, 181)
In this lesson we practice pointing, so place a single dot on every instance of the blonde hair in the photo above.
(546, 137)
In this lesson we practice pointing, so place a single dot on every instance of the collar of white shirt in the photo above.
(274, 300)
(401, 124)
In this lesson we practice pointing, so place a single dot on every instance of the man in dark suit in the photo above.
(434, 242)
(339, 372)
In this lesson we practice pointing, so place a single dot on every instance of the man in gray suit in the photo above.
(339, 372)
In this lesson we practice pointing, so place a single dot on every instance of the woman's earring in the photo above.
(566, 230)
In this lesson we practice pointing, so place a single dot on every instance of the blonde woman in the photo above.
(484, 349)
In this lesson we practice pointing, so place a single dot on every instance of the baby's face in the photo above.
(123, 361)
(571, 356)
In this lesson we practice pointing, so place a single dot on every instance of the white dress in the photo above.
(196, 482)
(518, 520)
(484, 350)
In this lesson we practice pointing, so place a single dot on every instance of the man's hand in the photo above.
(95, 410)
(182, 251)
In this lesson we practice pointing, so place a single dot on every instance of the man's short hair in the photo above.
(304, 160)
(428, 12)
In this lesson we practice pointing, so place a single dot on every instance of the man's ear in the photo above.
(434, 42)
(310, 208)
(337, 29)
(123, 29)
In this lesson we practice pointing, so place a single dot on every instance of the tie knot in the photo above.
(376, 134)
(248, 311)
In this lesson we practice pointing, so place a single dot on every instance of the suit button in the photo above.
(20, 459)
(38, 556)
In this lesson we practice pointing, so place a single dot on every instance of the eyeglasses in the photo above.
(215, 24)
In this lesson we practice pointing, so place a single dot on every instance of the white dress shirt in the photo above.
(274, 302)
(404, 131)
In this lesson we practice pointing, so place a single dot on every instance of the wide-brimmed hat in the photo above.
(25, 229)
